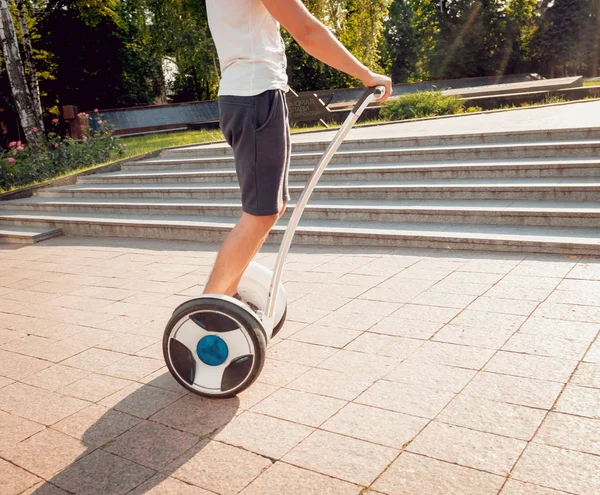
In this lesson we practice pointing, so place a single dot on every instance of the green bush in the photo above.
(422, 104)
(20, 166)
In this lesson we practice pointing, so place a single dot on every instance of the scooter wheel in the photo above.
(279, 325)
(214, 346)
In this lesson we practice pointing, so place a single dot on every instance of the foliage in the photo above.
(20, 166)
(422, 104)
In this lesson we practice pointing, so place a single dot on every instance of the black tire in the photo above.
(253, 328)
(279, 325)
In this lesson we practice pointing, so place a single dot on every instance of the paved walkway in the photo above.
(407, 372)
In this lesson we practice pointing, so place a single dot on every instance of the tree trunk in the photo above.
(16, 75)
(28, 49)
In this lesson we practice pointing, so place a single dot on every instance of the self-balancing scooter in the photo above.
(215, 345)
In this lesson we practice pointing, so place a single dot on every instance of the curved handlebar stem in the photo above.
(370, 95)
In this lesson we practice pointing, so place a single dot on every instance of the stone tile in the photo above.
(517, 293)
(14, 430)
(303, 314)
(263, 435)
(95, 387)
(581, 401)
(326, 336)
(128, 343)
(281, 373)
(132, 367)
(251, 396)
(55, 378)
(343, 318)
(587, 375)
(503, 306)
(358, 363)
(5, 381)
(547, 327)
(283, 478)
(45, 453)
(9, 335)
(473, 336)
(367, 306)
(451, 286)
(411, 474)
(415, 329)
(331, 383)
(383, 345)
(140, 400)
(44, 488)
(561, 469)
(493, 417)
(550, 346)
(299, 407)
(14, 480)
(17, 367)
(431, 375)
(300, 353)
(163, 379)
(531, 366)
(488, 321)
(543, 268)
(329, 302)
(154, 351)
(164, 485)
(379, 426)
(572, 312)
(96, 425)
(101, 473)
(593, 353)
(469, 448)
(570, 432)
(425, 313)
(444, 300)
(453, 355)
(398, 295)
(409, 399)
(152, 445)
(93, 359)
(342, 457)
(218, 467)
(514, 487)
(46, 349)
(47, 408)
(586, 271)
(514, 390)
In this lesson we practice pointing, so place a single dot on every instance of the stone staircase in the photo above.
(535, 191)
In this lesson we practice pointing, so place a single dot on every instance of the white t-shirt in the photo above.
(250, 48)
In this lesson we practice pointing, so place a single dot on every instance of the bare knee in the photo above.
(282, 211)
(261, 224)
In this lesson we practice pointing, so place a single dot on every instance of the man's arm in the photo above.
(319, 42)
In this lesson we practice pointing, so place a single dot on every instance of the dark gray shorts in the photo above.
(257, 128)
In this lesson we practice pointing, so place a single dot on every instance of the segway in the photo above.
(215, 345)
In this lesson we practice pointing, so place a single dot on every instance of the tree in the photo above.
(400, 43)
(28, 115)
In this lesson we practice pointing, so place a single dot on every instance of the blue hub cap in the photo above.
(212, 350)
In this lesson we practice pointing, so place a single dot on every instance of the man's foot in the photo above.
(239, 298)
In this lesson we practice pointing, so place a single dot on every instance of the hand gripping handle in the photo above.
(371, 94)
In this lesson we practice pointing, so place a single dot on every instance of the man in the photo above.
(254, 116)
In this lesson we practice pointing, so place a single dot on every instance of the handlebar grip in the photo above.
(376, 92)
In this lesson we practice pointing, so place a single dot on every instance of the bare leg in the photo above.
(238, 249)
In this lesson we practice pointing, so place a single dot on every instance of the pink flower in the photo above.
(20, 148)
(35, 129)
(84, 138)
(55, 121)
(13, 144)
(96, 110)
(11, 160)
(19, 143)
(82, 127)
(56, 145)
(100, 121)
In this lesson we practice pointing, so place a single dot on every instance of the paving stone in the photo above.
(300, 313)
(343, 318)
(488, 320)
(218, 467)
(473, 336)
(44, 488)
(493, 417)
(43, 348)
(47, 408)
(411, 474)
(375, 425)
(283, 478)
(300, 353)
(93, 359)
(572, 312)
(349, 362)
(570, 432)
(140, 400)
(453, 355)
(550, 346)
(327, 336)
(396, 295)
(495, 305)
(382, 345)
(263, 435)
(152, 445)
(581, 401)
(416, 400)
(586, 271)
(17, 366)
(164, 485)
(444, 300)
(514, 487)
(128, 343)
(518, 293)
(7, 335)
(161, 378)
(5, 381)
(95, 387)
(14, 480)
(96, 425)
(469, 448)
(514, 390)
(416, 329)
(45, 453)
(560, 469)
(55, 377)
(100, 473)
(281, 373)
(593, 353)
(431, 375)
(587, 375)
(331, 383)
(299, 407)
(531, 366)
(378, 308)
(543, 268)
(342, 457)
(132, 367)
(14, 430)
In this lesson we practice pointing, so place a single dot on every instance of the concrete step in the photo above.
(390, 154)
(541, 189)
(213, 229)
(318, 141)
(18, 234)
(577, 167)
(535, 213)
